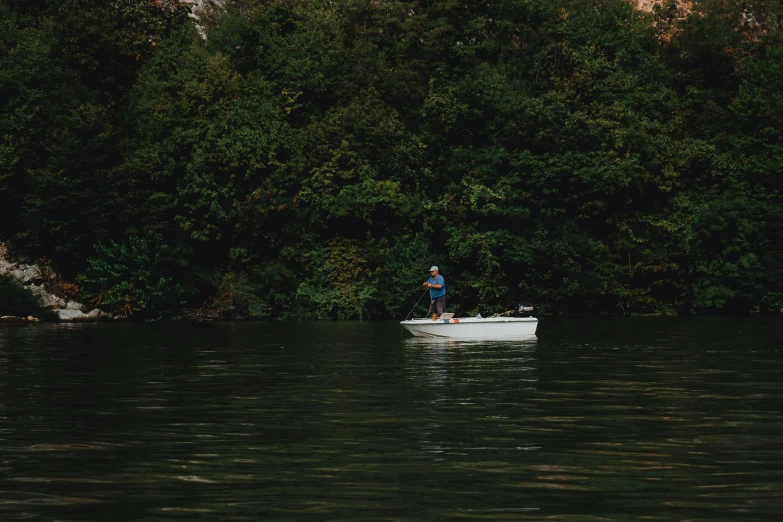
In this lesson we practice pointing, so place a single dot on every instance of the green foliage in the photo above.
(137, 277)
(239, 297)
(16, 300)
(340, 285)
(402, 272)
(311, 159)
(28, 77)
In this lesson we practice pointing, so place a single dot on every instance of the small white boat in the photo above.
(473, 327)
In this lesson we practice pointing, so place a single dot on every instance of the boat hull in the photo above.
(473, 327)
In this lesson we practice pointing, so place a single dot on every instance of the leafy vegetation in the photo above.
(311, 159)
(137, 275)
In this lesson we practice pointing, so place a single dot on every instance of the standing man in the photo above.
(437, 287)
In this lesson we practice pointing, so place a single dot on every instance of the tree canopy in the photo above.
(311, 159)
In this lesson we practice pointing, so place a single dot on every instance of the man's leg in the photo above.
(440, 307)
(437, 307)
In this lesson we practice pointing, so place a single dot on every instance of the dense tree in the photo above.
(306, 159)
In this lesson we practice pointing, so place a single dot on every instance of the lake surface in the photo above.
(613, 419)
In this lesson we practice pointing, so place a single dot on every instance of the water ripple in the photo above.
(591, 421)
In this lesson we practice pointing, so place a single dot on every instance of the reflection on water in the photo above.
(592, 420)
(526, 341)
(480, 355)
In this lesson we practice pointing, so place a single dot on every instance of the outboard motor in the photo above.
(524, 310)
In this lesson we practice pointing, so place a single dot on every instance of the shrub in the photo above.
(136, 277)
(239, 298)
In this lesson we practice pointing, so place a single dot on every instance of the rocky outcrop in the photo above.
(36, 279)
(73, 305)
(32, 275)
(70, 315)
(48, 300)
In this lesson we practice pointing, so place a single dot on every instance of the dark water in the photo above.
(650, 419)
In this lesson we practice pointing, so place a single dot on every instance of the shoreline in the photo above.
(38, 280)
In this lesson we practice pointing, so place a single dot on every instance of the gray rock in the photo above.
(49, 300)
(32, 274)
(16, 273)
(61, 303)
(73, 305)
(69, 315)
(95, 314)
(9, 268)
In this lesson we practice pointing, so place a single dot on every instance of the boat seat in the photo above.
(446, 316)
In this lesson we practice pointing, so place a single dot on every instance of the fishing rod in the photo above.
(417, 303)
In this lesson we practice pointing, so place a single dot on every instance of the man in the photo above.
(437, 287)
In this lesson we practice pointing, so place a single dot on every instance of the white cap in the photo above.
(433, 268)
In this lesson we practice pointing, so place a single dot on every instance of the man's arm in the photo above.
(434, 285)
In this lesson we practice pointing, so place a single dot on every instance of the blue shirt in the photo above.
(437, 292)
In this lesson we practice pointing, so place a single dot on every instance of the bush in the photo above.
(339, 285)
(238, 297)
(136, 277)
